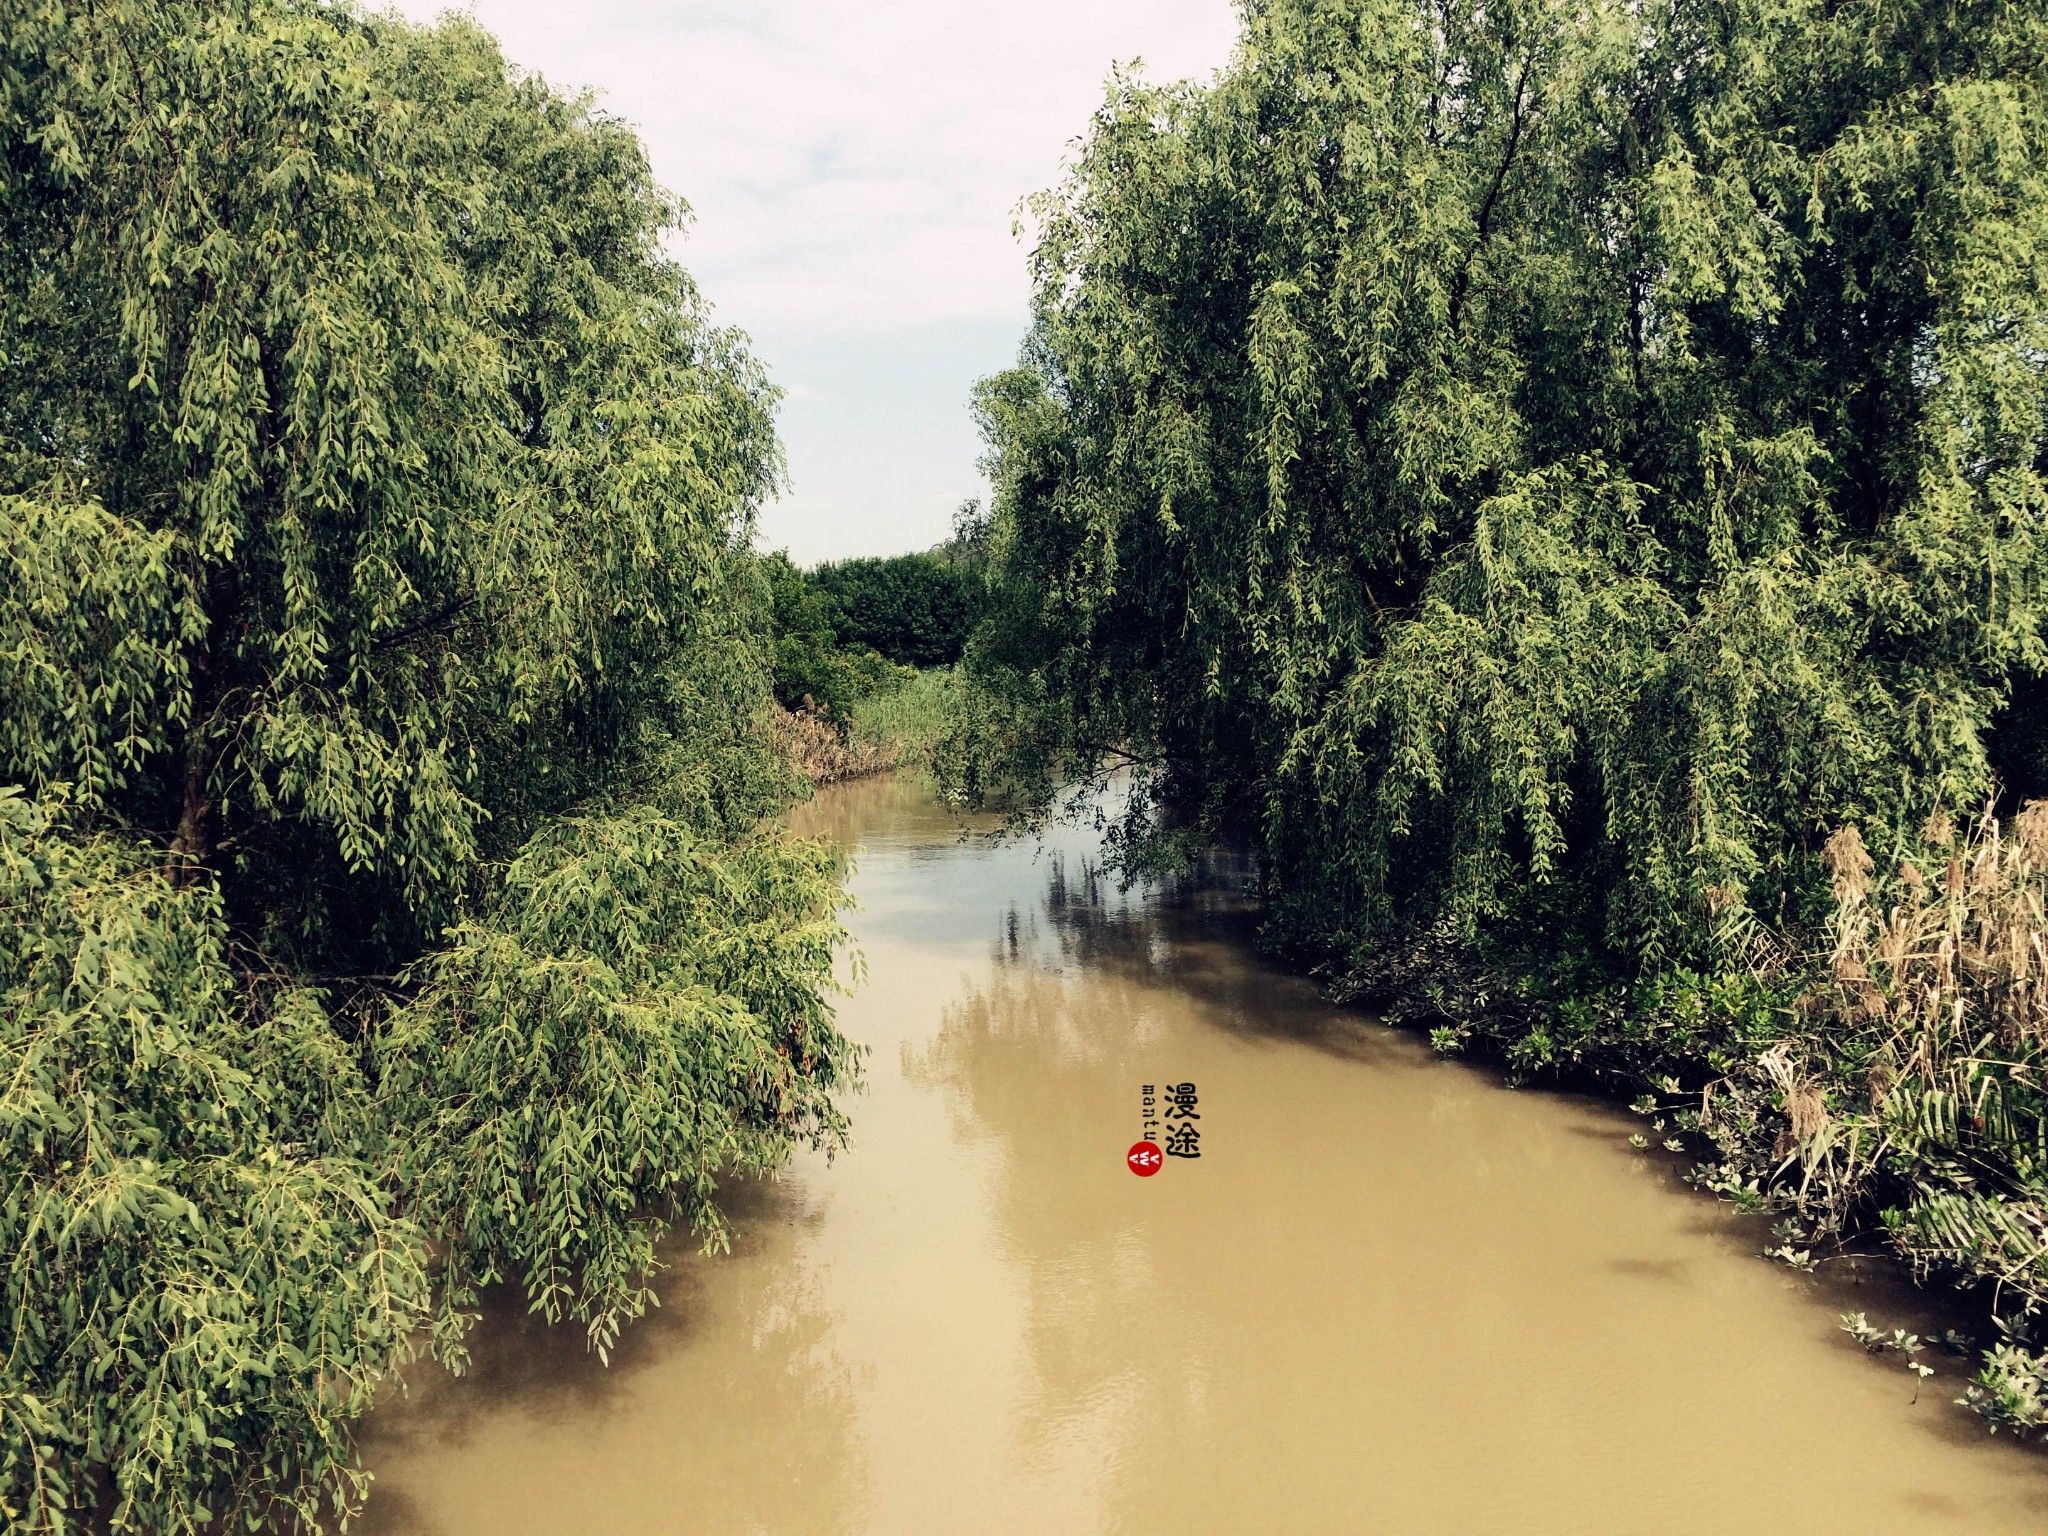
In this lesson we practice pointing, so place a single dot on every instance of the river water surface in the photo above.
(1389, 1296)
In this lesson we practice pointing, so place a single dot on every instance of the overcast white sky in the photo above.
(853, 168)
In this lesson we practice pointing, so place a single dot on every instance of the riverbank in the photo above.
(889, 728)
(1883, 1095)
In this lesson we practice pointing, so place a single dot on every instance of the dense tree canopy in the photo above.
(854, 630)
(1541, 474)
(914, 609)
(388, 901)
(813, 670)
(1479, 451)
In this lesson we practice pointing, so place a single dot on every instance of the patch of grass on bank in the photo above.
(905, 723)
(893, 726)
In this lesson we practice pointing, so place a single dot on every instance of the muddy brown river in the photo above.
(1389, 1296)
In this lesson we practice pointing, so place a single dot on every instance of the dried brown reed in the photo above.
(1937, 994)
(816, 749)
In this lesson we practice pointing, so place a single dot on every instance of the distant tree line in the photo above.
(913, 609)
(846, 628)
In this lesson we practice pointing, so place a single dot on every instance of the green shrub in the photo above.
(914, 609)
(640, 1012)
(206, 1275)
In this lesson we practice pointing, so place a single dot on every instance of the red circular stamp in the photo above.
(1144, 1158)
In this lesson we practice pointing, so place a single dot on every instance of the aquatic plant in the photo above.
(2011, 1390)
(1938, 1003)
(1935, 1027)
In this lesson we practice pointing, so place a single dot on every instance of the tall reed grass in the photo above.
(1929, 1052)
(893, 727)
(905, 723)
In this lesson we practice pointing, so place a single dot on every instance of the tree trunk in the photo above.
(193, 845)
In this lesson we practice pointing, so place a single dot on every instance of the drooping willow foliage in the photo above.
(386, 901)
(1538, 472)
(1581, 449)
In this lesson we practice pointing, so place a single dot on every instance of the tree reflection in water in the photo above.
(725, 1410)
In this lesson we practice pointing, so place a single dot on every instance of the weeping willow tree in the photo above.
(388, 903)
(1537, 471)
(1534, 453)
